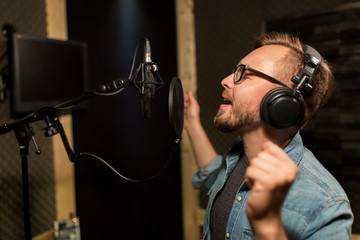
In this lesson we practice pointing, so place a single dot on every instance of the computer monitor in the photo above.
(45, 72)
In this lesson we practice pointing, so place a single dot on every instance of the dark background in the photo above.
(108, 206)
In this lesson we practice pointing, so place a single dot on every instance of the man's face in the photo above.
(241, 107)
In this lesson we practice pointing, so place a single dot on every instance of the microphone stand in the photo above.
(24, 133)
(149, 83)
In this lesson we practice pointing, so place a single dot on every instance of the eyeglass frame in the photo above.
(261, 74)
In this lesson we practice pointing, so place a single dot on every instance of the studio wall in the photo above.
(28, 18)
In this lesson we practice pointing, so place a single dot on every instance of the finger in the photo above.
(186, 101)
(186, 96)
(191, 96)
(266, 162)
(272, 172)
(281, 157)
(256, 178)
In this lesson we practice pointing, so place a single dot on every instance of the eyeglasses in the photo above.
(240, 70)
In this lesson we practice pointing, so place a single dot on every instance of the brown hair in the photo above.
(323, 79)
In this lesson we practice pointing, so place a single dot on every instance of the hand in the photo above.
(201, 145)
(191, 110)
(270, 176)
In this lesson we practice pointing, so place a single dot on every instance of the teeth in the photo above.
(226, 101)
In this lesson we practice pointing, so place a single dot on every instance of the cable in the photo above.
(89, 92)
(104, 94)
(113, 93)
(98, 93)
(127, 178)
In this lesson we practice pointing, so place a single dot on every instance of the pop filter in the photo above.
(176, 108)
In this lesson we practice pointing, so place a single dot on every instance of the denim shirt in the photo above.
(316, 206)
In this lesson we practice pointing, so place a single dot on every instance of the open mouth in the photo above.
(226, 99)
(227, 102)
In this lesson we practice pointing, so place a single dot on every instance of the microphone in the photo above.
(147, 93)
(149, 83)
(146, 100)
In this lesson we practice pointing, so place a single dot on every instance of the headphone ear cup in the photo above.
(282, 107)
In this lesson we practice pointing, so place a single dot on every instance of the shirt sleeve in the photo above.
(334, 222)
(207, 175)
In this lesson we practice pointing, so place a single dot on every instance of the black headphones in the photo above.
(283, 107)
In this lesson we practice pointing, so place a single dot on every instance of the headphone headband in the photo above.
(312, 60)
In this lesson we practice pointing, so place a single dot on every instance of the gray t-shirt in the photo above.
(225, 198)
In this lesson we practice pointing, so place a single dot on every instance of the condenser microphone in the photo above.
(147, 95)
(146, 79)
(147, 91)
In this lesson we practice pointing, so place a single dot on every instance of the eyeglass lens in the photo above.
(239, 71)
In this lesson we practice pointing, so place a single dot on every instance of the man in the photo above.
(269, 186)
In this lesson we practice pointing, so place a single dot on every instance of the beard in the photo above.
(234, 120)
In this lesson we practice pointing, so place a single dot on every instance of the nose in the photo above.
(228, 82)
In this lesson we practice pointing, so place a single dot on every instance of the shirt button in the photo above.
(227, 235)
(239, 198)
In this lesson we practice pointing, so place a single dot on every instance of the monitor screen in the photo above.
(46, 72)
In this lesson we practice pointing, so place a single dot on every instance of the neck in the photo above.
(255, 138)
